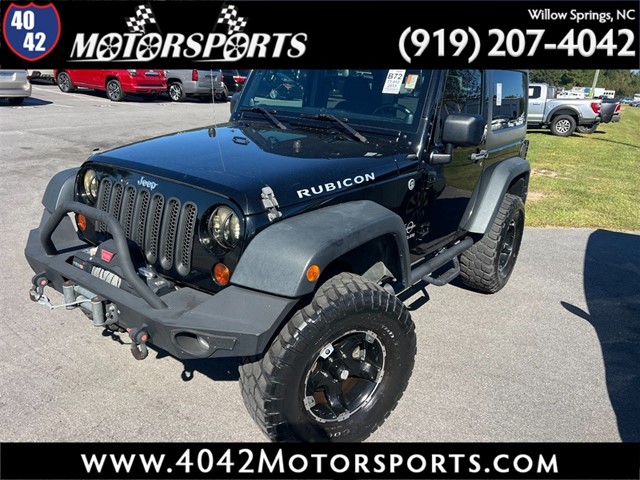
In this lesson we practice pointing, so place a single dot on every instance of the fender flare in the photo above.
(277, 259)
(490, 191)
(60, 189)
(559, 110)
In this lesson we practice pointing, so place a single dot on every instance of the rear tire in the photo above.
(114, 90)
(563, 125)
(338, 367)
(16, 100)
(221, 96)
(488, 264)
(586, 128)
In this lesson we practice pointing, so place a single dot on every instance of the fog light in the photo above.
(221, 274)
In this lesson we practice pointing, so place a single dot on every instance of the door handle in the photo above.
(481, 155)
(536, 103)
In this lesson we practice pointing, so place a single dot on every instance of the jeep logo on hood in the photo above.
(147, 183)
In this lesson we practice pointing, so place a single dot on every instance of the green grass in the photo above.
(587, 180)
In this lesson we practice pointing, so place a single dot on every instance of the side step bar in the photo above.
(424, 270)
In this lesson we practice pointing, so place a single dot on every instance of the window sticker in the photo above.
(393, 82)
(411, 82)
(498, 94)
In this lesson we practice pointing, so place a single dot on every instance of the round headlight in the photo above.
(224, 227)
(90, 184)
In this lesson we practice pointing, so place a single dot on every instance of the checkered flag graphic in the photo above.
(229, 16)
(143, 17)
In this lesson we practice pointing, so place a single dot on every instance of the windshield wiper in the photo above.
(267, 114)
(333, 118)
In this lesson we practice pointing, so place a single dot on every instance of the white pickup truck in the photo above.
(561, 115)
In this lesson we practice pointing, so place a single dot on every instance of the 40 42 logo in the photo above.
(31, 31)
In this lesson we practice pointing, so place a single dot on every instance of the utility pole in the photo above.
(595, 82)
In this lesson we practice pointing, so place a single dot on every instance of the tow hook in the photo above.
(37, 288)
(139, 337)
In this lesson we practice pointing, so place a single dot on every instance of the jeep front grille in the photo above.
(164, 230)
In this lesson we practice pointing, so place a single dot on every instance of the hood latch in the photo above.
(270, 203)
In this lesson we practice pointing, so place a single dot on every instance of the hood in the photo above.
(238, 161)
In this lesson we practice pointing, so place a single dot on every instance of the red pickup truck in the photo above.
(117, 83)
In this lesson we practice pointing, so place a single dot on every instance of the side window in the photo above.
(462, 93)
(535, 92)
(509, 99)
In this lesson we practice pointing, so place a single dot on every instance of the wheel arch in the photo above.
(352, 235)
(564, 110)
(60, 189)
(508, 176)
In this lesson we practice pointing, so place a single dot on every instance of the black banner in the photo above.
(253, 34)
(374, 460)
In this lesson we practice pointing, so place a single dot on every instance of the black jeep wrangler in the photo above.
(283, 236)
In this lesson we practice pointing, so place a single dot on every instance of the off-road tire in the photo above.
(480, 265)
(586, 129)
(563, 125)
(275, 387)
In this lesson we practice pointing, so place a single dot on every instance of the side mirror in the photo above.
(461, 130)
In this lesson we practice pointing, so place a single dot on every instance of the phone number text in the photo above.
(466, 42)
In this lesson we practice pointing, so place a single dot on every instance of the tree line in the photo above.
(626, 83)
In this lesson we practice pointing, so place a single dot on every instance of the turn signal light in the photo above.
(313, 272)
(221, 274)
(82, 222)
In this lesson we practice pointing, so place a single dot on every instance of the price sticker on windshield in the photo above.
(393, 82)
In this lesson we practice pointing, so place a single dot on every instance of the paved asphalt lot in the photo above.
(552, 357)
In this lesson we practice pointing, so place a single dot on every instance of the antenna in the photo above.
(215, 122)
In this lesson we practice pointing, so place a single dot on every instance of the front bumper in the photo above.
(186, 322)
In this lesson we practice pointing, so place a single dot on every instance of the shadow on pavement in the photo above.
(612, 292)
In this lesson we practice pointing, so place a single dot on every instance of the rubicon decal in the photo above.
(337, 185)
(231, 44)
(31, 31)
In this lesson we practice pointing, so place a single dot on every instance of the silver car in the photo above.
(14, 86)
(205, 84)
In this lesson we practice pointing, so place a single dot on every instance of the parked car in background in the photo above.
(41, 75)
(116, 83)
(14, 86)
(560, 115)
(635, 103)
(234, 79)
(204, 84)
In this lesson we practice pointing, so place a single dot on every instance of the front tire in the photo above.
(488, 264)
(176, 92)
(114, 90)
(64, 82)
(338, 367)
(563, 125)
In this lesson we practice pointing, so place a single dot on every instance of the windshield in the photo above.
(389, 99)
